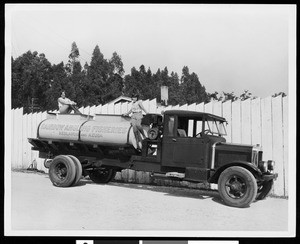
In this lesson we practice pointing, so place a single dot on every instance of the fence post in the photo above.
(285, 116)
(98, 109)
(246, 121)
(24, 141)
(152, 106)
(227, 115)
(29, 134)
(236, 122)
(267, 135)
(13, 135)
(256, 121)
(117, 108)
(200, 107)
(217, 108)
(278, 144)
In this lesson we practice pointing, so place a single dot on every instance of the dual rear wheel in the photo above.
(66, 171)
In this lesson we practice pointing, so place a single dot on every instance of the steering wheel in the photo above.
(200, 134)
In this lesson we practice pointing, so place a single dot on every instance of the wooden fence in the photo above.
(258, 121)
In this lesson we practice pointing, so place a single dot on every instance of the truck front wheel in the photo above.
(62, 171)
(237, 187)
(102, 176)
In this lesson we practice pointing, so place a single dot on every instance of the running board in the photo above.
(169, 175)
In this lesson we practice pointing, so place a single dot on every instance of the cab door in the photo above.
(180, 147)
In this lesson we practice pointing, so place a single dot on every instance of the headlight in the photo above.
(263, 166)
(271, 165)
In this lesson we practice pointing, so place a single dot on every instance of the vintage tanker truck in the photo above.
(181, 145)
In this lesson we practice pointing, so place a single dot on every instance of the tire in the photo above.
(78, 167)
(47, 163)
(62, 171)
(237, 187)
(153, 133)
(264, 189)
(102, 176)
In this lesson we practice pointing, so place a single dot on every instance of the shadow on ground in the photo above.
(168, 190)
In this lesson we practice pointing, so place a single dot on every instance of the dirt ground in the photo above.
(37, 205)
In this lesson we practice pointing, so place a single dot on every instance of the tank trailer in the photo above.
(181, 145)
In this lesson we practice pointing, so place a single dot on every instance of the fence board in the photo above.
(124, 108)
(267, 135)
(104, 109)
(175, 107)
(118, 108)
(285, 143)
(98, 109)
(13, 138)
(111, 108)
(226, 113)
(93, 110)
(24, 141)
(44, 116)
(86, 110)
(191, 107)
(200, 107)
(278, 144)
(40, 164)
(255, 122)
(19, 138)
(184, 107)
(236, 122)
(29, 133)
(217, 108)
(246, 121)
(152, 106)
(146, 105)
(208, 107)
(81, 109)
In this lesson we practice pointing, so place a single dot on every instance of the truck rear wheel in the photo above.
(237, 187)
(78, 169)
(264, 189)
(102, 176)
(62, 171)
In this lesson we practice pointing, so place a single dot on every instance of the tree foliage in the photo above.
(102, 80)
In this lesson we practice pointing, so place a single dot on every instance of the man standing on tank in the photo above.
(136, 119)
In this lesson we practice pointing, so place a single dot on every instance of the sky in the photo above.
(231, 48)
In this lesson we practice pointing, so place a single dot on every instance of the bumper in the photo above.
(268, 177)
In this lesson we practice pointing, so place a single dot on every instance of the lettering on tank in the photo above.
(65, 130)
(97, 131)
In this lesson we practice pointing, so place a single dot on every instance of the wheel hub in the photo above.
(236, 187)
(61, 171)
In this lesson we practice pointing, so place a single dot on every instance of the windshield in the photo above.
(216, 128)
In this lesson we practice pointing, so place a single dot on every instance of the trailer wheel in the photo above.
(264, 189)
(78, 167)
(237, 187)
(62, 171)
(102, 176)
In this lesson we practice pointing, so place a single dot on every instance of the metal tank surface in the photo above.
(98, 129)
(108, 130)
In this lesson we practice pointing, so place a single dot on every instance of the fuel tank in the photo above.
(114, 130)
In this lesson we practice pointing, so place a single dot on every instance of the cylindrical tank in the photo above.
(100, 129)
(108, 130)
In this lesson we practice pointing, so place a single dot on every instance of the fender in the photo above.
(247, 165)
